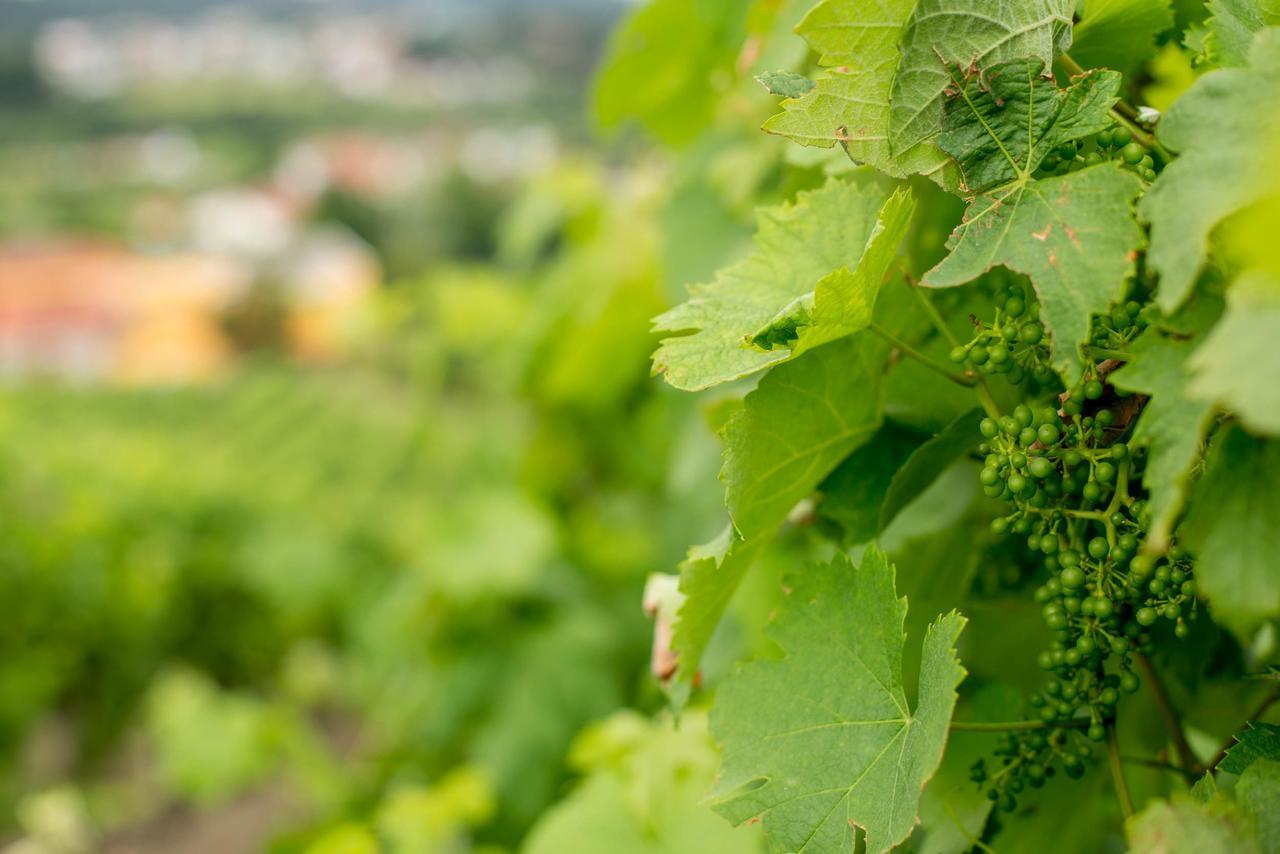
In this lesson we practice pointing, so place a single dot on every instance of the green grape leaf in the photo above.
(785, 83)
(852, 496)
(814, 276)
(849, 105)
(965, 33)
(1224, 129)
(1233, 24)
(837, 693)
(1258, 793)
(641, 794)
(661, 61)
(1232, 368)
(1000, 124)
(1074, 236)
(1233, 528)
(795, 428)
(928, 461)
(709, 577)
(1171, 423)
(1119, 34)
(1184, 826)
(1258, 741)
(842, 302)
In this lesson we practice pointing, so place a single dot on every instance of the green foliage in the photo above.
(814, 277)
(1226, 371)
(1089, 370)
(1234, 523)
(1119, 34)
(642, 792)
(1258, 741)
(1232, 25)
(782, 722)
(1223, 130)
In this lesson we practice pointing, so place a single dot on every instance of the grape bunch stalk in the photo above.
(1071, 481)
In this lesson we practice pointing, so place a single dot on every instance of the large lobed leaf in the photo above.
(1074, 235)
(1225, 130)
(946, 34)
(823, 740)
(1236, 368)
(1232, 25)
(824, 256)
(1233, 529)
(849, 105)
(792, 431)
(709, 577)
(1000, 124)
(796, 427)
(1172, 424)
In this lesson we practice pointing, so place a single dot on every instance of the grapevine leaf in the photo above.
(927, 462)
(796, 427)
(1234, 368)
(1171, 423)
(1183, 826)
(1258, 792)
(1073, 235)
(709, 577)
(965, 33)
(821, 238)
(853, 494)
(1119, 34)
(823, 740)
(1233, 528)
(803, 418)
(1000, 124)
(1224, 129)
(849, 104)
(660, 63)
(1233, 24)
(842, 302)
(785, 83)
(1258, 741)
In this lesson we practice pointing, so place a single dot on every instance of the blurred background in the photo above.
(331, 469)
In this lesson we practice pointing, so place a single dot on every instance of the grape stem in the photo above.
(1109, 354)
(1123, 112)
(1159, 766)
(907, 350)
(978, 384)
(1170, 716)
(1011, 726)
(1117, 770)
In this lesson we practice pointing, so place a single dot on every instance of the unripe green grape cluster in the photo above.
(1072, 484)
(1013, 344)
(1115, 143)
(1029, 760)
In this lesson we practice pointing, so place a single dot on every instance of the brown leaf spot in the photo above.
(1043, 235)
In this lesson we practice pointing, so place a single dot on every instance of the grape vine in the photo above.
(1065, 350)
